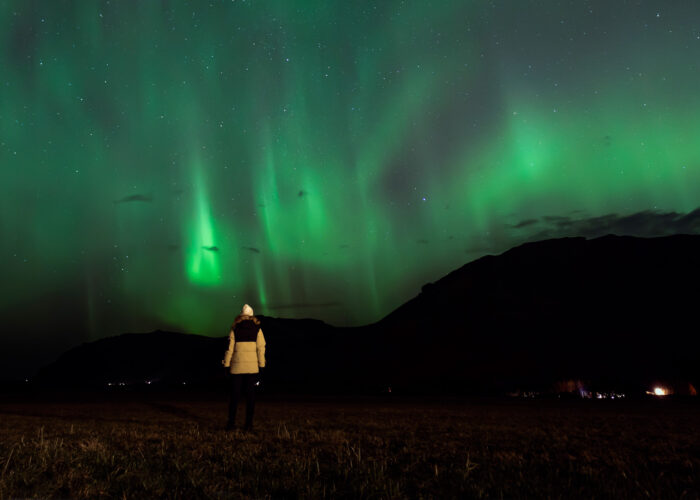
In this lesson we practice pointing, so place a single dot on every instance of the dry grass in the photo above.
(176, 449)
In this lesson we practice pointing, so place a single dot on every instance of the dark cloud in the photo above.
(554, 218)
(524, 223)
(647, 223)
(147, 198)
(304, 305)
(211, 249)
(252, 249)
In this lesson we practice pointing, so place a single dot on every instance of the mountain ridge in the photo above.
(612, 311)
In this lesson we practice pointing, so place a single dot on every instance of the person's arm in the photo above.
(260, 347)
(229, 353)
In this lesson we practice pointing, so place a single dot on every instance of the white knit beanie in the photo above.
(247, 310)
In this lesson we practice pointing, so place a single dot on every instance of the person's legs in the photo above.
(251, 378)
(235, 383)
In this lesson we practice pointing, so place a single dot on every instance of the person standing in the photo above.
(244, 359)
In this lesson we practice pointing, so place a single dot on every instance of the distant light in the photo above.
(660, 391)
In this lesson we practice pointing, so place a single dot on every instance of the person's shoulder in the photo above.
(242, 317)
(251, 320)
(246, 322)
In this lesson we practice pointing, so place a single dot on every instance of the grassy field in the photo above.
(174, 447)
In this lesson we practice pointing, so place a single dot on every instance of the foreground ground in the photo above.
(174, 447)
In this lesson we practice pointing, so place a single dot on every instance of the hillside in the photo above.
(615, 312)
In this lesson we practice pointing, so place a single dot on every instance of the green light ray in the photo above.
(341, 153)
(202, 251)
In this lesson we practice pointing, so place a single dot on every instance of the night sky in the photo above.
(163, 162)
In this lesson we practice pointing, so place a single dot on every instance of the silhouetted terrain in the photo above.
(171, 358)
(615, 312)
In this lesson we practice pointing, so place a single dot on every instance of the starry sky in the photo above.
(163, 162)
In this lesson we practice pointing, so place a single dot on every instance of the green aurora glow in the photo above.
(165, 162)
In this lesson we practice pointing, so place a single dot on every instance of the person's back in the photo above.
(244, 359)
(249, 340)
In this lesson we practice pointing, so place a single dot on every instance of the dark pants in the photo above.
(243, 382)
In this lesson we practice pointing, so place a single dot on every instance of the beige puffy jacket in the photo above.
(246, 346)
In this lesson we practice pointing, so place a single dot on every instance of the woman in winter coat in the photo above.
(244, 358)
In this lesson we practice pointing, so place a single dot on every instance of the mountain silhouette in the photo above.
(614, 312)
(171, 358)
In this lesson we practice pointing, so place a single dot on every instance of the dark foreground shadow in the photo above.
(184, 414)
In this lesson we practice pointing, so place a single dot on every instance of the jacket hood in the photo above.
(245, 317)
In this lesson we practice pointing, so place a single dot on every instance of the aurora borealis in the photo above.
(163, 162)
